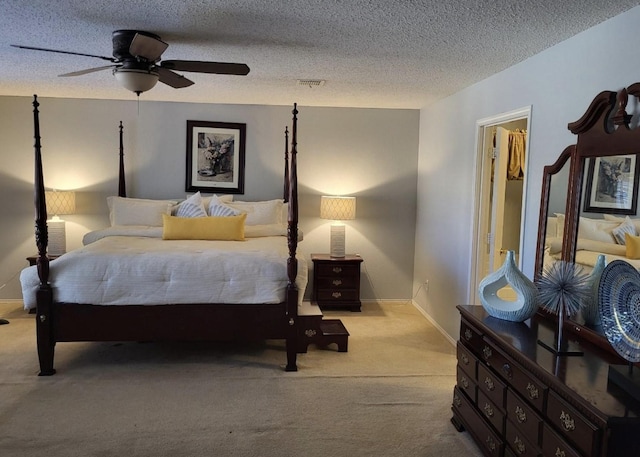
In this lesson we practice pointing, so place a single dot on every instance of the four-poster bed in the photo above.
(60, 321)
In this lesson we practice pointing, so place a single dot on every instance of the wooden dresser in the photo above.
(516, 398)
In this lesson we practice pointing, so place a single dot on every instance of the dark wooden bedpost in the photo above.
(286, 165)
(292, 237)
(122, 188)
(44, 296)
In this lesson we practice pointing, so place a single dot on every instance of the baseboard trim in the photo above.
(435, 324)
(10, 300)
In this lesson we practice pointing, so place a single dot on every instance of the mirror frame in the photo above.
(601, 133)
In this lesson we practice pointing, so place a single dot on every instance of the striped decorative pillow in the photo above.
(218, 208)
(191, 207)
(222, 210)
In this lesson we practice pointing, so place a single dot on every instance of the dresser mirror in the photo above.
(590, 191)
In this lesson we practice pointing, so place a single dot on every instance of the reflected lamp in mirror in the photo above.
(58, 203)
(337, 209)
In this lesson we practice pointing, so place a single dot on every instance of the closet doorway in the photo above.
(501, 175)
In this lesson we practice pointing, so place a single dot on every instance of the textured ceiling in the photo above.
(372, 53)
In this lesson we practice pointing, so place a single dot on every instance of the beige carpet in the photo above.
(390, 395)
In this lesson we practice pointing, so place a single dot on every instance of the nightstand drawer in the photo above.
(337, 295)
(337, 283)
(337, 269)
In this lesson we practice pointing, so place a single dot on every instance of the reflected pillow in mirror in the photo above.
(633, 246)
(623, 229)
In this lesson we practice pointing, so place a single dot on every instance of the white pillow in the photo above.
(626, 227)
(635, 221)
(138, 211)
(256, 231)
(191, 207)
(597, 229)
(218, 208)
(260, 213)
(206, 201)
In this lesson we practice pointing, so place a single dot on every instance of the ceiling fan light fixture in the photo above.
(136, 80)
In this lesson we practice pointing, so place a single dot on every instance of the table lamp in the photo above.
(58, 202)
(337, 209)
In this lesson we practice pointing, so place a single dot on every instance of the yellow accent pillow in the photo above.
(224, 228)
(633, 246)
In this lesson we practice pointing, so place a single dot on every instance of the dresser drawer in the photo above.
(524, 417)
(337, 270)
(554, 446)
(471, 337)
(519, 443)
(491, 385)
(522, 382)
(466, 360)
(573, 426)
(484, 434)
(466, 384)
(491, 412)
(337, 295)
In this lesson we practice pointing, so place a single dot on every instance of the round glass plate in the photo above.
(619, 307)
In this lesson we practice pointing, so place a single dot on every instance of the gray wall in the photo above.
(367, 153)
(558, 84)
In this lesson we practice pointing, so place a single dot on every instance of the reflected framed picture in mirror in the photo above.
(612, 184)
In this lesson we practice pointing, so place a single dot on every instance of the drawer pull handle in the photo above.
(464, 383)
(567, 422)
(468, 334)
(491, 443)
(521, 416)
(489, 383)
(533, 391)
(464, 359)
(488, 410)
(336, 294)
(337, 270)
(456, 400)
(520, 447)
(337, 282)
(487, 352)
(560, 452)
(506, 369)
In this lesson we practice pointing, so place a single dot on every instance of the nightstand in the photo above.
(34, 258)
(336, 281)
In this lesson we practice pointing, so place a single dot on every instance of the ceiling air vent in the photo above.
(311, 82)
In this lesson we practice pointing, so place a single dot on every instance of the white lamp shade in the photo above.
(60, 202)
(338, 208)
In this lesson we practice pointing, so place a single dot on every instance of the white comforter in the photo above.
(125, 266)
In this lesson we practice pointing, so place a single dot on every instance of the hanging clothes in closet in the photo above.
(517, 146)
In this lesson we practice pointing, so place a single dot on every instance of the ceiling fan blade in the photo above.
(173, 79)
(88, 70)
(196, 66)
(110, 59)
(148, 47)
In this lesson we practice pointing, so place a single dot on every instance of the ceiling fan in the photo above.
(137, 67)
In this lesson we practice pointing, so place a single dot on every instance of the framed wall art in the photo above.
(215, 157)
(612, 185)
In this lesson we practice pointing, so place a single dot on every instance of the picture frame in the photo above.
(215, 157)
(612, 185)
